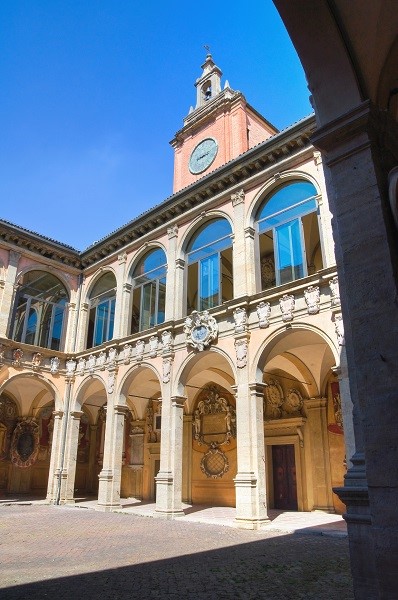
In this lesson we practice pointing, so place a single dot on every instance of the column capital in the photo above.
(76, 414)
(238, 198)
(178, 401)
(121, 409)
(58, 414)
(180, 263)
(257, 389)
(14, 258)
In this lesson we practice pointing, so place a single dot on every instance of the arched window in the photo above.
(102, 311)
(149, 293)
(39, 314)
(289, 235)
(209, 256)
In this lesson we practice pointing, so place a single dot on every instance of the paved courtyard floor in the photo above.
(69, 552)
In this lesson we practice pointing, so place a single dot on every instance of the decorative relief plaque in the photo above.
(200, 330)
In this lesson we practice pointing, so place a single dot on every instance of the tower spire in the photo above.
(208, 85)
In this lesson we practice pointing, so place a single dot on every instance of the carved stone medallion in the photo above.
(273, 400)
(200, 330)
(25, 443)
(214, 463)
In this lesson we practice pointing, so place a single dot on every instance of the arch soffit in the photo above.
(197, 223)
(51, 388)
(140, 253)
(306, 378)
(130, 375)
(316, 32)
(49, 270)
(96, 277)
(78, 396)
(264, 350)
(190, 361)
(272, 185)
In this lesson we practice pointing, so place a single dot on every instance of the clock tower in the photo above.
(220, 127)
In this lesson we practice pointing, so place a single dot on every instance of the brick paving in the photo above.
(67, 553)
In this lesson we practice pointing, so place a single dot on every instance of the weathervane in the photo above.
(207, 48)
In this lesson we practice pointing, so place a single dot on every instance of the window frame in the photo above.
(200, 261)
(284, 221)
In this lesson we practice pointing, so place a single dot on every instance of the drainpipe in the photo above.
(68, 396)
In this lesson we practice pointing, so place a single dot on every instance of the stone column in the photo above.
(53, 474)
(7, 297)
(250, 482)
(169, 478)
(111, 475)
(68, 473)
(120, 328)
(316, 410)
(172, 306)
(360, 148)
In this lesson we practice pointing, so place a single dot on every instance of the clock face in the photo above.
(203, 155)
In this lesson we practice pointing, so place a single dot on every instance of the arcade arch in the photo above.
(303, 428)
(209, 462)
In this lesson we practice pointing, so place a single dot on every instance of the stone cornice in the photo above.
(223, 179)
(45, 247)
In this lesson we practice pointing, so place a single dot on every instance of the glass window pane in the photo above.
(215, 246)
(57, 328)
(135, 313)
(287, 196)
(111, 319)
(101, 323)
(210, 232)
(192, 291)
(288, 214)
(153, 260)
(290, 255)
(148, 305)
(106, 283)
(209, 282)
(31, 327)
(162, 301)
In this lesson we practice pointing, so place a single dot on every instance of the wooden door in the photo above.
(284, 476)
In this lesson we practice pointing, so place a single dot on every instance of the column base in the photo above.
(251, 523)
(251, 510)
(169, 514)
(108, 507)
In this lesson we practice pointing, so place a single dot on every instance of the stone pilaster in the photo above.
(346, 406)
(169, 478)
(82, 327)
(8, 292)
(121, 326)
(238, 247)
(91, 458)
(172, 282)
(250, 481)
(187, 460)
(316, 411)
(70, 325)
(56, 446)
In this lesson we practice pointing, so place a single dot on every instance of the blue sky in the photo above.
(92, 91)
